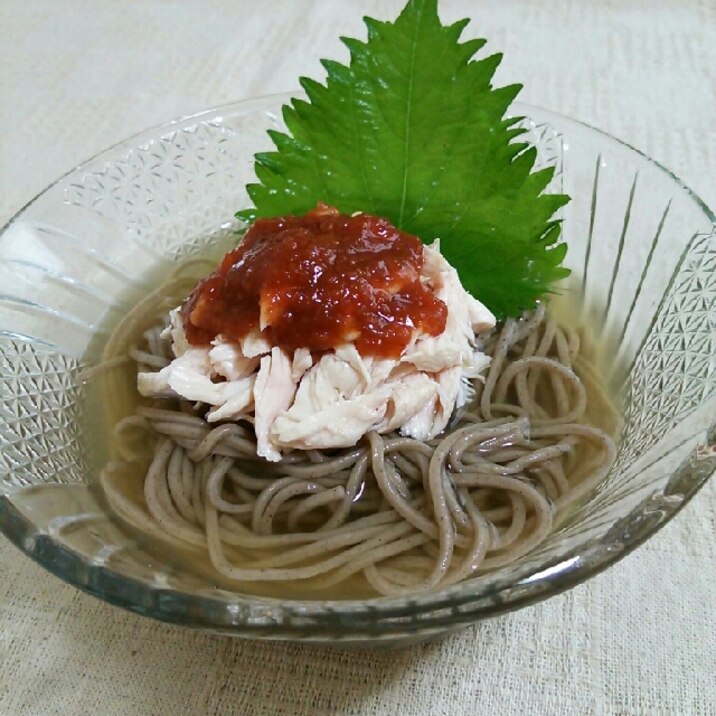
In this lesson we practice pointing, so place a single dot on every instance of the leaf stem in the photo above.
(408, 113)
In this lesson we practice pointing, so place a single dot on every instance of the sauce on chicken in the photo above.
(318, 281)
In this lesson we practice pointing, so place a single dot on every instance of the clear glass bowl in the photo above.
(643, 252)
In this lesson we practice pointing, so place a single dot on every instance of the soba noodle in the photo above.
(405, 516)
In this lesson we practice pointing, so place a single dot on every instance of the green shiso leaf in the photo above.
(413, 130)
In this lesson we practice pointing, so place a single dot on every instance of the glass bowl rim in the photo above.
(315, 616)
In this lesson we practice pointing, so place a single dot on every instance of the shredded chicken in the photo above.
(301, 404)
(274, 390)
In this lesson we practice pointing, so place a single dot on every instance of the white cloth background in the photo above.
(638, 639)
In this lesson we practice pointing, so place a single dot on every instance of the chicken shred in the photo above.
(274, 391)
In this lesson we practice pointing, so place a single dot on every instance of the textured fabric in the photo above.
(638, 639)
